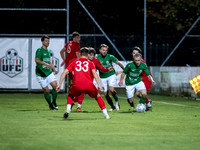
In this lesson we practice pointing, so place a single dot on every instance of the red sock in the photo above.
(101, 103)
(80, 98)
(147, 100)
(70, 99)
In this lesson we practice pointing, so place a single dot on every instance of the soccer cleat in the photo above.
(107, 117)
(117, 107)
(55, 105)
(51, 106)
(110, 110)
(78, 109)
(148, 109)
(66, 115)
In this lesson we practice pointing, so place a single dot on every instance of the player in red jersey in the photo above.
(71, 49)
(83, 73)
(145, 79)
(98, 66)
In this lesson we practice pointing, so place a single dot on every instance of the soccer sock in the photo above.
(105, 113)
(142, 100)
(100, 102)
(147, 100)
(54, 95)
(69, 103)
(48, 98)
(109, 100)
(115, 96)
(130, 103)
(80, 98)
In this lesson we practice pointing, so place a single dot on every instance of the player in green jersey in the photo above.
(108, 78)
(133, 79)
(44, 72)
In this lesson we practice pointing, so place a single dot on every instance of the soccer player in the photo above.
(144, 77)
(71, 49)
(133, 78)
(108, 78)
(98, 66)
(45, 74)
(83, 73)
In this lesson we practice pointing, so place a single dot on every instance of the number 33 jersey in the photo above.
(81, 69)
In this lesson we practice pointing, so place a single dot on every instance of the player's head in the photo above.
(136, 50)
(76, 37)
(92, 53)
(45, 40)
(103, 49)
(84, 51)
(137, 59)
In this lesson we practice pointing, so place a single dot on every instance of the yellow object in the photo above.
(195, 83)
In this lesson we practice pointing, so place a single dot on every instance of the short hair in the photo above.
(104, 45)
(138, 55)
(74, 34)
(92, 50)
(137, 49)
(84, 51)
(44, 37)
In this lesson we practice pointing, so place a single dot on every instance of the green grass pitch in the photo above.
(27, 124)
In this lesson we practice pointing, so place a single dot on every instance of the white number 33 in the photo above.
(79, 66)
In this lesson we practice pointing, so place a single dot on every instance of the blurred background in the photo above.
(167, 21)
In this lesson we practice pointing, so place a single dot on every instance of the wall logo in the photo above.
(54, 60)
(11, 64)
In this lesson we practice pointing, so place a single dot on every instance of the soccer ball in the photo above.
(11, 54)
(140, 108)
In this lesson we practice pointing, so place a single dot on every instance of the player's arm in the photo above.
(62, 54)
(120, 64)
(121, 79)
(97, 79)
(100, 67)
(62, 77)
(78, 54)
(151, 79)
(37, 60)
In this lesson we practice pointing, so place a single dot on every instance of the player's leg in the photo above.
(148, 85)
(44, 84)
(130, 91)
(93, 92)
(104, 83)
(69, 105)
(80, 101)
(112, 82)
(53, 82)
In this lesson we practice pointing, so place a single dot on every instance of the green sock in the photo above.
(54, 95)
(48, 98)
(115, 97)
(143, 100)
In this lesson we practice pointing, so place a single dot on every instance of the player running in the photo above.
(83, 72)
(44, 73)
(108, 78)
(133, 79)
(98, 66)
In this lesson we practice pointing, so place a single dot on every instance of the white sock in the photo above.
(117, 103)
(68, 108)
(79, 106)
(149, 104)
(105, 113)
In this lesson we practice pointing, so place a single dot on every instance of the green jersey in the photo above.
(133, 73)
(43, 55)
(106, 63)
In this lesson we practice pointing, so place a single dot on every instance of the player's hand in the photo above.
(55, 71)
(101, 89)
(110, 68)
(153, 82)
(58, 88)
(62, 63)
(119, 72)
(120, 83)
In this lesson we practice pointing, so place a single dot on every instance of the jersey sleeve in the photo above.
(99, 65)
(70, 67)
(38, 54)
(113, 58)
(92, 66)
(126, 69)
(146, 70)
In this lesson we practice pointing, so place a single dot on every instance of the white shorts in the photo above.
(45, 81)
(110, 81)
(130, 90)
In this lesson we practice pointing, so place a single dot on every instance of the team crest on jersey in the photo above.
(11, 64)
(54, 60)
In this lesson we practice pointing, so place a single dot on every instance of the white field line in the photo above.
(166, 103)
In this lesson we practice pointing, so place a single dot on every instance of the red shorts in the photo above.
(90, 90)
(147, 83)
